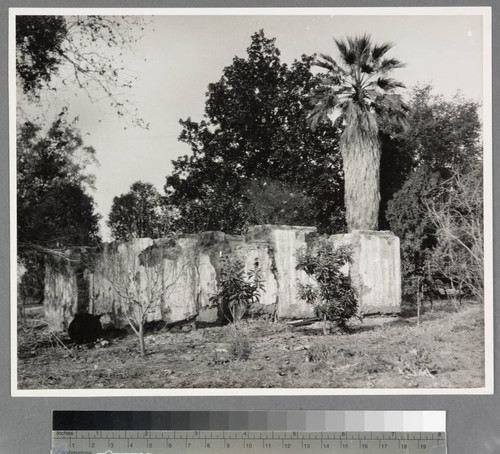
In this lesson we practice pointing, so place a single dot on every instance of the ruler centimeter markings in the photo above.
(245, 441)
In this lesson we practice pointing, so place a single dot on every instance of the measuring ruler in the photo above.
(249, 442)
(241, 432)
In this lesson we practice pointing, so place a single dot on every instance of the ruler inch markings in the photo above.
(250, 441)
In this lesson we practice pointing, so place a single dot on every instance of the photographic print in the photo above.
(251, 201)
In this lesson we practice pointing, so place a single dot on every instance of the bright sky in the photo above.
(180, 55)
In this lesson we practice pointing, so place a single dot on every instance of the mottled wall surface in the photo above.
(376, 269)
(188, 268)
(61, 297)
(281, 245)
(286, 243)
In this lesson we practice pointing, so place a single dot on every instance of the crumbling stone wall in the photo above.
(60, 296)
(190, 266)
(375, 269)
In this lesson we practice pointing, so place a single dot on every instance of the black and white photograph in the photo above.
(279, 201)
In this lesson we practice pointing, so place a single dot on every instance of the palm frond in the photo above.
(390, 64)
(324, 65)
(391, 109)
(331, 63)
(388, 84)
(328, 59)
(346, 51)
(316, 116)
(367, 68)
(331, 79)
(343, 88)
(341, 46)
(361, 126)
(381, 49)
(392, 102)
(351, 42)
(363, 48)
(324, 99)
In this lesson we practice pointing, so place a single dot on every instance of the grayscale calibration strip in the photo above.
(291, 432)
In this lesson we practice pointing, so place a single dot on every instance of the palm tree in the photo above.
(358, 89)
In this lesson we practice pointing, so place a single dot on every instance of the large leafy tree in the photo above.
(38, 49)
(357, 86)
(85, 51)
(442, 133)
(396, 164)
(456, 211)
(442, 139)
(255, 139)
(407, 218)
(54, 208)
(139, 213)
(274, 202)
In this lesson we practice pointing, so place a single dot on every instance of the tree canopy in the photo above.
(86, 51)
(442, 139)
(441, 133)
(38, 49)
(255, 135)
(54, 209)
(456, 212)
(139, 213)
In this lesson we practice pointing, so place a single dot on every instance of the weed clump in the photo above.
(240, 348)
(319, 353)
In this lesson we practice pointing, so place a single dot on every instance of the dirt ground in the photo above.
(445, 351)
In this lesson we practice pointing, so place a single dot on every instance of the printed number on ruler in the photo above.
(236, 442)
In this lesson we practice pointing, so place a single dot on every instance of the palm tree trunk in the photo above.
(361, 162)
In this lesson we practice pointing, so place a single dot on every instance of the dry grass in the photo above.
(446, 351)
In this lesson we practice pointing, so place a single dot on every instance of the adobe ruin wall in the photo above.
(190, 266)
